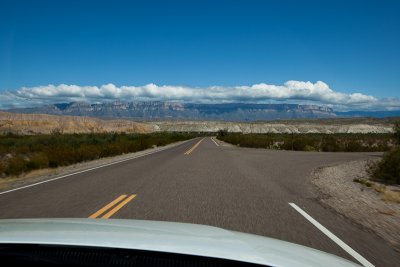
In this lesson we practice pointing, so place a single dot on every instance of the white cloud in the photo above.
(291, 91)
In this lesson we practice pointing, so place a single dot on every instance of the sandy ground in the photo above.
(361, 204)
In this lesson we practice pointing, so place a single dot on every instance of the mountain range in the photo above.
(159, 110)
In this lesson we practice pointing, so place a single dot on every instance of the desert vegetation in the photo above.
(21, 153)
(312, 142)
(388, 169)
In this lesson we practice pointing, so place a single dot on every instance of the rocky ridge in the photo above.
(160, 110)
(293, 127)
(46, 124)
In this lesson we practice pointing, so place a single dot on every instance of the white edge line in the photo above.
(334, 238)
(214, 141)
(94, 168)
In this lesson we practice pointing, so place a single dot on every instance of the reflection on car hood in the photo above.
(182, 238)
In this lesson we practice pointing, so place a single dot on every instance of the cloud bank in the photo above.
(291, 91)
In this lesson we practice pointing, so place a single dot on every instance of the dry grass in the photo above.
(386, 193)
(392, 196)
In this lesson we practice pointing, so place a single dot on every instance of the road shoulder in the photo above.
(361, 204)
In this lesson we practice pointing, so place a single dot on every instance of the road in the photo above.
(242, 189)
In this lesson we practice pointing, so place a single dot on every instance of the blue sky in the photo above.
(351, 46)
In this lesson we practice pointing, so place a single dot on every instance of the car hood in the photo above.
(182, 238)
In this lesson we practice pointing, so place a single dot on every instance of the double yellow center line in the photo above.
(122, 200)
(111, 208)
(193, 147)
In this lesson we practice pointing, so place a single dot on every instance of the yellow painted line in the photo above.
(107, 207)
(118, 207)
(193, 147)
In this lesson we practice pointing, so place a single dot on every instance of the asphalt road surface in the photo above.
(242, 189)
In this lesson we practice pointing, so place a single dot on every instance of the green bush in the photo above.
(354, 146)
(223, 132)
(388, 169)
(396, 129)
(16, 165)
(302, 143)
(363, 181)
(37, 161)
(53, 164)
(309, 148)
(313, 142)
(2, 169)
(330, 144)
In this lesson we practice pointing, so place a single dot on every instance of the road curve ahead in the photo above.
(206, 182)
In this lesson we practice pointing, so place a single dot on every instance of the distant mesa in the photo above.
(155, 114)
(159, 110)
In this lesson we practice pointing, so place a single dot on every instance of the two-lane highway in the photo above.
(202, 181)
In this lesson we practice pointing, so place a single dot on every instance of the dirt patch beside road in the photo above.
(361, 204)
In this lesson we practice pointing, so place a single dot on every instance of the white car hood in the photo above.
(182, 238)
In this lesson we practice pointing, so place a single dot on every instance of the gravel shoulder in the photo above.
(359, 203)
